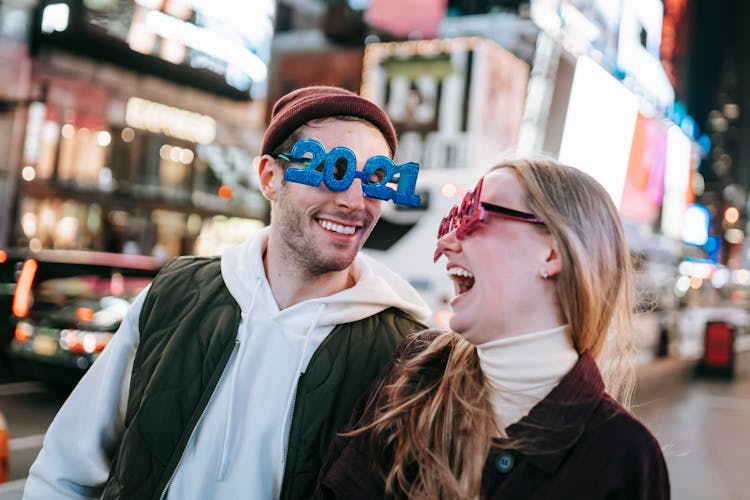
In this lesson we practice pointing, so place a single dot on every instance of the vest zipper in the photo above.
(205, 408)
(288, 472)
(293, 403)
(289, 421)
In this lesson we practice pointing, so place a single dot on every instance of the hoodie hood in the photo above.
(377, 287)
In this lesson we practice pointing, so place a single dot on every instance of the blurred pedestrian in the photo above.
(230, 376)
(513, 405)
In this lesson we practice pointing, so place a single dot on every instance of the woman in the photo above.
(513, 405)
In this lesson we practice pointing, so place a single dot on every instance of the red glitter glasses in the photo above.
(465, 217)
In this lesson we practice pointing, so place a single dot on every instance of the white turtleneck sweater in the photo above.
(522, 370)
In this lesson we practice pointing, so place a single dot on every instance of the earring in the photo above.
(545, 274)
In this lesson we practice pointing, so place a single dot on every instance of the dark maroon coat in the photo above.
(599, 451)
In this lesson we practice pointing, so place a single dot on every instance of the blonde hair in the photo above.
(594, 288)
(430, 423)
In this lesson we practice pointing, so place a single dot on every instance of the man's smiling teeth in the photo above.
(337, 228)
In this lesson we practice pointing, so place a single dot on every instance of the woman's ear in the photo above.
(270, 176)
(553, 263)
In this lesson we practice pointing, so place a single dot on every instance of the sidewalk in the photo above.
(663, 374)
(700, 421)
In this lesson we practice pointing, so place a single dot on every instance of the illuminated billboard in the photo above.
(625, 36)
(401, 18)
(455, 103)
(644, 182)
(599, 127)
(638, 49)
(678, 192)
(584, 23)
(218, 45)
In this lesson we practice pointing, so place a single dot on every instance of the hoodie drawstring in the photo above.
(224, 463)
(293, 392)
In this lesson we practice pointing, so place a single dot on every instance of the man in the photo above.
(229, 378)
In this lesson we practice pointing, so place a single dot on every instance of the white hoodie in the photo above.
(238, 448)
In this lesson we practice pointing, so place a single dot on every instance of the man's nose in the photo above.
(352, 198)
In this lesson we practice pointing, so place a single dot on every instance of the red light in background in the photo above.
(22, 332)
(22, 295)
(3, 256)
(225, 192)
(731, 215)
(85, 314)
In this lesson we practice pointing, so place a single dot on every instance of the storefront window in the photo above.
(92, 180)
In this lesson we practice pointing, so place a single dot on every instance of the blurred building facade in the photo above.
(127, 127)
(609, 88)
(130, 125)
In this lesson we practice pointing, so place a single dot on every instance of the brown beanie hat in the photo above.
(309, 103)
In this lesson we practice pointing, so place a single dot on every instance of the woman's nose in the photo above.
(449, 243)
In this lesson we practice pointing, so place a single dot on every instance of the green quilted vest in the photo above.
(187, 327)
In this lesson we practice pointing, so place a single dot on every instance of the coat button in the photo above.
(504, 462)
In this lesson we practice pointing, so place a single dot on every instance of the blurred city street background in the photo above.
(130, 132)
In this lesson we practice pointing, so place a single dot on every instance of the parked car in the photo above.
(66, 307)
